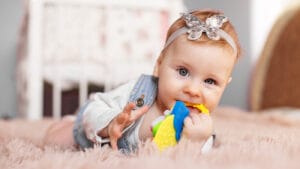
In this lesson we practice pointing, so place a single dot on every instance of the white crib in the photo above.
(77, 42)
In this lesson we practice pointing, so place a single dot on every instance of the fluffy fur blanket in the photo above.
(244, 140)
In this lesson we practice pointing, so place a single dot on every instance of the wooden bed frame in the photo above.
(276, 78)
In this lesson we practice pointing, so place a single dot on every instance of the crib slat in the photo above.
(83, 91)
(57, 92)
(35, 87)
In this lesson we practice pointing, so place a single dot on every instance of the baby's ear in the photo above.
(229, 80)
(157, 65)
(155, 71)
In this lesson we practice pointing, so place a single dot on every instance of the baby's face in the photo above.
(193, 73)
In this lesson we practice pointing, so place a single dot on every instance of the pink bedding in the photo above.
(244, 140)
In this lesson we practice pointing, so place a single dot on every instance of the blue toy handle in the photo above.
(180, 112)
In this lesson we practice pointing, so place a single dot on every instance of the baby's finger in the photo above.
(196, 118)
(188, 122)
(138, 113)
(122, 118)
(129, 107)
(114, 135)
(113, 143)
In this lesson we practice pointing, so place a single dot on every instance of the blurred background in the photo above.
(252, 19)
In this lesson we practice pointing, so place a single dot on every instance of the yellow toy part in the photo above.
(165, 136)
(200, 107)
(167, 131)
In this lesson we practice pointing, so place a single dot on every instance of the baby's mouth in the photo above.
(197, 107)
(193, 110)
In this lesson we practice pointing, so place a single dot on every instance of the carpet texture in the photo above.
(244, 140)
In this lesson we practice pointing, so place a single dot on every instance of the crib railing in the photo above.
(77, 42)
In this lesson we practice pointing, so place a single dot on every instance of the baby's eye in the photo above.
(210, 81)
(183, 72)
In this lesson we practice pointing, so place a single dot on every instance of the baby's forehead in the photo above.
(198, 52)
(183, 44)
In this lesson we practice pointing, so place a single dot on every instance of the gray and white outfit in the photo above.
(101, 108)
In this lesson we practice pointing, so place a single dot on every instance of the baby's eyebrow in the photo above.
(219, 78)
(182, 63)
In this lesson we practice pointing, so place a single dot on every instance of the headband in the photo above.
(195, 27)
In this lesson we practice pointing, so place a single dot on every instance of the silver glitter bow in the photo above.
(211, 26)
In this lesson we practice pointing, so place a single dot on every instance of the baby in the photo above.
(194, 67)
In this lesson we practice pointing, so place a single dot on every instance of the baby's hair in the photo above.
(203, 15)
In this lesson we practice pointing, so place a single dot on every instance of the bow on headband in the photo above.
(196, 27)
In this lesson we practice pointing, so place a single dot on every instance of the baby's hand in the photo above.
(123, 120)
(197, 127)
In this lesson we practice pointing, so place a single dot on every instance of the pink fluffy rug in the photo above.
(244, 140)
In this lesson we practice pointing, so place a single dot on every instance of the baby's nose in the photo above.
(194, 89)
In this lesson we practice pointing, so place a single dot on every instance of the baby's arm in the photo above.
(117, 124)
(101, 109)
(124, 119)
